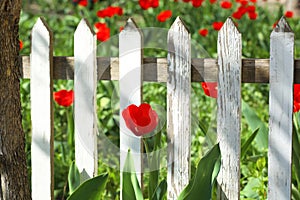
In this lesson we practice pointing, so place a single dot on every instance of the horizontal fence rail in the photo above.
(254, 70)
(178, 70)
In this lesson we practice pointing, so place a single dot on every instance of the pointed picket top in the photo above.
(83, 26)
(179, 24)
(282, 26)
(131, 25)
(42, 26)
(228, 27)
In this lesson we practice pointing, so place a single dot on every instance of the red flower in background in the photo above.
(203, 32)
(102, 32)
(21, 44)
(110, 11)
(140, 120)
(289, 14)
(226, 4)
(210, 89)
(164, 15)
(296, 98)
(252, 15)
(83, 3)
(217, 25)
(145, 4)
(197, 3)
(64, 98)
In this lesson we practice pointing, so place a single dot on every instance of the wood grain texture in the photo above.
(178, 108)
(229, 110)
(254, 70)
(85, 86)
(41, 92)
(130, 84)
(281, 110)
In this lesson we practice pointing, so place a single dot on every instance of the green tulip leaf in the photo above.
(254, 123)
(160, 191)
(130, 186)
(246, 145)
(73, 178)
(202, 182)
(91, 189)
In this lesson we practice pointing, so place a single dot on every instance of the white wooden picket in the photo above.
(85, 86)
(178, 70)
(130, 84)
(178, 108)
(41, 92)
(281, 110)
(229, 109)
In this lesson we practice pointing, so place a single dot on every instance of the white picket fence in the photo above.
(178, 70)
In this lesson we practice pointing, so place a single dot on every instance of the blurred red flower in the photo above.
(64, 97)
(296, 98)
(140, 120)
(275, 24)
(21, 44)
(83, 3)
(217, 25)
(252, 15)
(203, 32)
(110, 11)
(164, 15)
(251, 8)
(210, 89)
(289, 14)
(102, 31)
(212, 1)
(145, 4)
(226, 4)
(197, 3)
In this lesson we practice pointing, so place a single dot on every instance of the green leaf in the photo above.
(201, 184)
(130, 186)
(246, 145)
(73, 177)
(160, 191)
(295, 193)
(91, 189)
(255, 122)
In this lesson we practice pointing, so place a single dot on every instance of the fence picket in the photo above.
(41, 92)
(281, 109)
(85, 86)
(178, 108)
(229, 109)
(130, 83)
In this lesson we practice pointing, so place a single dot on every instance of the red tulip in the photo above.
(296, 98)
(164, 15)
(226, 4)
(289, 14)
(203, 32)
(210, 89)
(64, 98)
(217, 25)
(102, 32)
(21, 44)
(140, 120)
